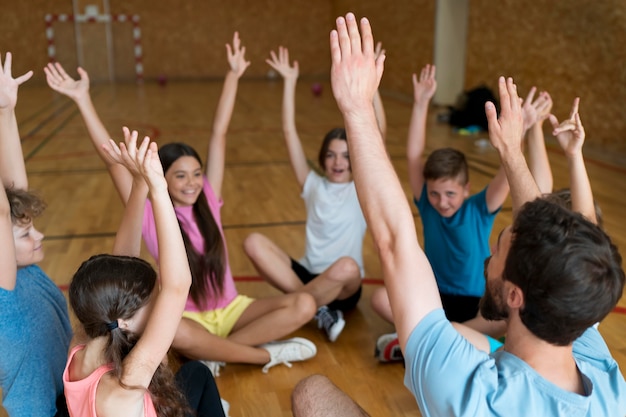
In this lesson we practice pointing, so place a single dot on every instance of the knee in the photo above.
(380, 302)
(306, 393)
(379, 298)
(252, 244)
(304, 305)
(345, 269)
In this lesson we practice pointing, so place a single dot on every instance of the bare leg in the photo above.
(271, 318)
(341, 280)
(380, 304)
(195, 342)
(272, 263)
(317, 396)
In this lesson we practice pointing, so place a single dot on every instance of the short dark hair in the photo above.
(568, 269)
(446, 163)
(564, 198)
(336, 133)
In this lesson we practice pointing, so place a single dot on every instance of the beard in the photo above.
(491, 305)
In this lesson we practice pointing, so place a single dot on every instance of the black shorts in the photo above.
(460, 308)
(306, 276)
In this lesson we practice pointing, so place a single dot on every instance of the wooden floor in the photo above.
(261, 195)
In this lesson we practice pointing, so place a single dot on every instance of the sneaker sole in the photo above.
(307, 344)
(337, 329)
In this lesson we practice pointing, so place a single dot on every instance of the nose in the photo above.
(37, 235)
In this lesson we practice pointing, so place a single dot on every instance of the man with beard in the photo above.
(552, 275)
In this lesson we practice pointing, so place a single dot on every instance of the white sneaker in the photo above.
(287, 351)
(214, 367)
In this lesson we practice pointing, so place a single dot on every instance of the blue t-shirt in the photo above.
(448, 376)
(457, 247)
(35, 334)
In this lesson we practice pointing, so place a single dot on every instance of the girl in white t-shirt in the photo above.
(332, 266)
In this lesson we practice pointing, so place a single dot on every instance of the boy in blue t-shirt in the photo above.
(456, 225)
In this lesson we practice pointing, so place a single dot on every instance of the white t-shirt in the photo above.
(335, 225)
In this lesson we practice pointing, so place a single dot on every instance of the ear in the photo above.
(514, 296)
(466, 190)
(123, 324)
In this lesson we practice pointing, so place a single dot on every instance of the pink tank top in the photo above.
(81, 395)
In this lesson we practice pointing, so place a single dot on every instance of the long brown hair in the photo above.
(106, 288)
(207, 269)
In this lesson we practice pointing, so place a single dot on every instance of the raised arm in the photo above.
(571, 136)
(12, 168)
(280, 63)
(128, 236)
(538, 162)
(355, 75)
(78, 91)
(505, 133)
(379, 109)
(424, 88)
(217, 144)
(7, 255)
(175, 276)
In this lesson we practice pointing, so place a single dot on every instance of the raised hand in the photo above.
(140, 161)
(545, 107)
(280, 63)
(505, 132)
(424, 88)
(355, 71)
(536, 110)
(8, 84)
(236, 56)
(59, 81)
(570, 133)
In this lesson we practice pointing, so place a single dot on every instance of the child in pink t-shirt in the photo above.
(218, 325)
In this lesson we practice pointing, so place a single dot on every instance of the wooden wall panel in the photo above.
(570, 48)
(573, 48)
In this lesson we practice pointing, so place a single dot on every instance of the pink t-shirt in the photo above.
(186, 218)
(81, 395)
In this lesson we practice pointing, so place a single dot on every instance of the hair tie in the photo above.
(112, 326)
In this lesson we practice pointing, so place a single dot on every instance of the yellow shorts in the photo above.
(222, 320)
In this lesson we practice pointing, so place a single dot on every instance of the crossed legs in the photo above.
(264, 320)
(339, 281)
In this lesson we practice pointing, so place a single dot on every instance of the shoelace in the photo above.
(285, 350)
(326, 319)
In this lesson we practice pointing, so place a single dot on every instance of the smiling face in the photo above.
(28, 244)
(337, 162)
(184, 181)
(493, 304)
(446, 195)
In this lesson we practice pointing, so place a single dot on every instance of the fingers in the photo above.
(344, 39)
(23, 78)
(353, 33)
(554, 122)
(530, 96)
(335, 49)
(505, 102)
(492, 118)
(8, 59)
(366, 39)
(574, 108)
(579, 126)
